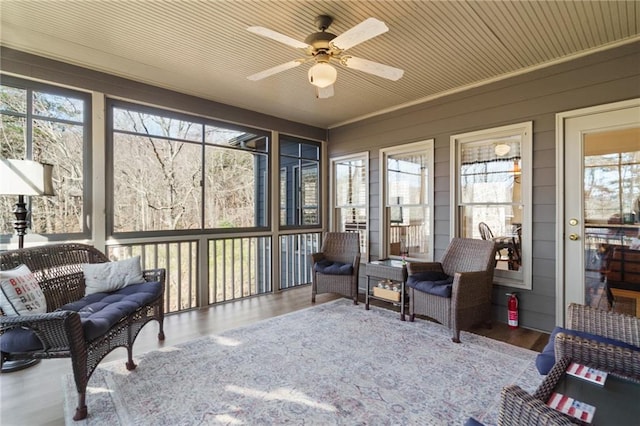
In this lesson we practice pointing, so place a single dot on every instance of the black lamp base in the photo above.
(18, 364)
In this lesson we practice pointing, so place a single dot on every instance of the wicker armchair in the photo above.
(340, 253)
(601, 355)
(471, 263)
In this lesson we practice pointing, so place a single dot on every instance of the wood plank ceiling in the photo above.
(203, 48)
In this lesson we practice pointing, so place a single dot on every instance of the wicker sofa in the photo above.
(65, 329)
(601, 339)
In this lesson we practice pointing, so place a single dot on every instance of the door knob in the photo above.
(574, 237)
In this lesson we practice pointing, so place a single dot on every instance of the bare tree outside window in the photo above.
(46, 124)
(172, 173)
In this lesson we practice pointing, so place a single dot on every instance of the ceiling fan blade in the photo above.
(324, 92)
(271, 71)
(375, 68)
(266, 32)
(365, 30)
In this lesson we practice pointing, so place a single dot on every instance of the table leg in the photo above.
(402, 301)
(366, 294)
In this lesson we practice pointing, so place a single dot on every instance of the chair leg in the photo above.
(81, 409)
(130, 364)
(161, 330)
(313, 298)
(160, 318)
(456, 336)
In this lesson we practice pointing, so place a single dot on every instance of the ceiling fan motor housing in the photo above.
(323, 22)
(319, 41)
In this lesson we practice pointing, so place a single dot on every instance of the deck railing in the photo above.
(295, 258)
(229, 268)
(179, 258)
(238, 267)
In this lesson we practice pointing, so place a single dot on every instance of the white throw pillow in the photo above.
(20, 293)
(111, 276)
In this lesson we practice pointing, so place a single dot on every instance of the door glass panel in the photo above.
(611, 188)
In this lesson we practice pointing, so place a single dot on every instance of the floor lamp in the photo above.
(23, 178)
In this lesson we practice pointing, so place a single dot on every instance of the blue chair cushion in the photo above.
(329, 267)
(547, 358)
(432, 282)
(98, 313)
(472, 422)
(19, 340)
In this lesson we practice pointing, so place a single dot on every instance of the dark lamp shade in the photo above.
(25, 177)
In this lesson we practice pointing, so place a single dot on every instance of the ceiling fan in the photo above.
(325, 48)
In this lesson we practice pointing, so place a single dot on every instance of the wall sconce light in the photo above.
(516, 167)
(517, 171)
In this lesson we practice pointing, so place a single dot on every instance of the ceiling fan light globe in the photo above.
(322, 75)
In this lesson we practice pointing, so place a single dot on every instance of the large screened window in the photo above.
(493, 197)
(299, 182)
(51, 125)
(177, 172)
(407, 188)
(350, 196)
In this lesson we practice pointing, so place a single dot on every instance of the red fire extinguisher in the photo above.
(512, 308)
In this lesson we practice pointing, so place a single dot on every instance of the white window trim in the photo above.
(427, 146)
(522, 278)
(332, 191)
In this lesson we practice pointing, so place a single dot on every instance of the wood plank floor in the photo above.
(33, 396)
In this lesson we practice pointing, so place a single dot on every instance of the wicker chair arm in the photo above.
(518, 408)
(600, 355)
(470, 289)
(55, 330)
(155, 275)
(316, 257)
(356, 266)
(417, 267)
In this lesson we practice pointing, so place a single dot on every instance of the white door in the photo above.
(599, 208)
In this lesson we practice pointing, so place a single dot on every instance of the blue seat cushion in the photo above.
(432, 282)
(472, 422)
(98, 313)
(329, 267)
(19, 340)
(547, 358)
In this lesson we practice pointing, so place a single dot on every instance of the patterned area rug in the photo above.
(332, 364)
